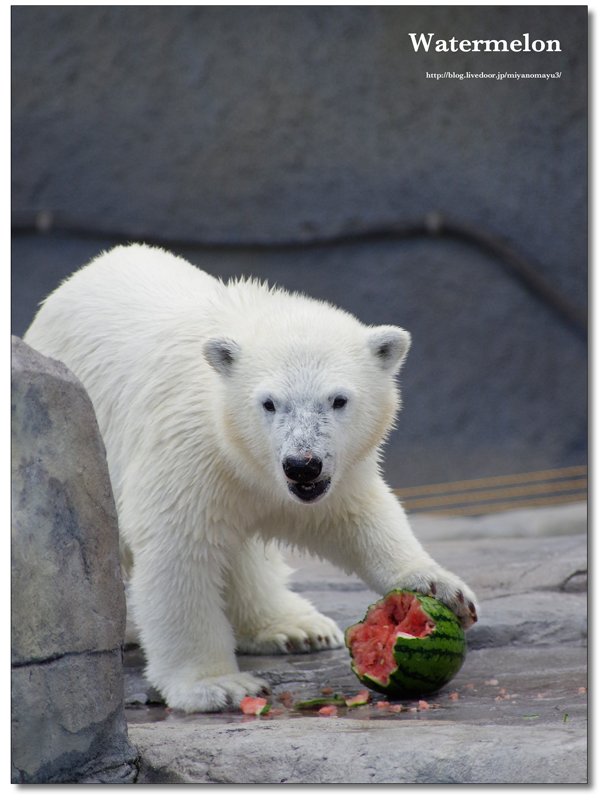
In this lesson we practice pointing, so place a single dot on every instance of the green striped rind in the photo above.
(320, 702)
(424, 664)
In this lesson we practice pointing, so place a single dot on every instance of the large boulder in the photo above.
(68, 602)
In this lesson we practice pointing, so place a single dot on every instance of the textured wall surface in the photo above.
(262, 125)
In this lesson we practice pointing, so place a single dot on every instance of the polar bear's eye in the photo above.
(339, 402)
(269, 406)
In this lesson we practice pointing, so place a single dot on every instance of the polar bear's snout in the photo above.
(302, 475)
(302, 469)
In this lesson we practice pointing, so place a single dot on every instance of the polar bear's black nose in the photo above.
(302, 469)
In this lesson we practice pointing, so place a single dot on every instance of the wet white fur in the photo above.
(195, 459)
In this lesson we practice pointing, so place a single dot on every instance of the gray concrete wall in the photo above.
(262, 125)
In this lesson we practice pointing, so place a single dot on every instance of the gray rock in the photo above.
(576, 583)
(68, 720)
(542, 618)
(68, 602)
(358, 751)
(67, 586)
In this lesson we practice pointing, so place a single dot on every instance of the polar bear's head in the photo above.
(307, 393)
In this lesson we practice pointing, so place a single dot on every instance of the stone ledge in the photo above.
(338, 751)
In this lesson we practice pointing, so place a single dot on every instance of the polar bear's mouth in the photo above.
(309, 491)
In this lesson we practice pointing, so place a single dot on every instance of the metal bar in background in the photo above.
(482, 510)
(494, 494)
(537, 489)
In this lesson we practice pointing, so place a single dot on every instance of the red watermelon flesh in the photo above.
(254, 705)
(372, 642)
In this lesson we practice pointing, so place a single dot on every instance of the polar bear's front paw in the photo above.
(303, 634)
(220, 693)
(449, 589)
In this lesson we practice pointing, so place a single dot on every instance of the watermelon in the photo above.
(362, 698)
(408, 644)
(254, 705)
(319, 702)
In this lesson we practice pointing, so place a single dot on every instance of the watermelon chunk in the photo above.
(320, 701)
(362, 698)
(407, 644)
(254, 705)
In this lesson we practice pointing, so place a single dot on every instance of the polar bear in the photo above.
(236, 418)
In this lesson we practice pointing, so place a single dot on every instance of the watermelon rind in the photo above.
(424, 664)
(362, 698)
(320, 702)
(252, 708)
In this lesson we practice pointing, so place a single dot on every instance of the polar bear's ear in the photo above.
(221, 354)
(390, 345)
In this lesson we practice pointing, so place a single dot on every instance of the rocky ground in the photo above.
(515, 713)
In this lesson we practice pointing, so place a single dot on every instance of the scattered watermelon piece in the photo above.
(286, 698)
(395, 709)
(320, 701)
(328, 711)
(407, 644)
(254, 705)
(362, 698)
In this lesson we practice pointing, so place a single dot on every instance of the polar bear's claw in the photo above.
(310, 634)
(448, 588)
